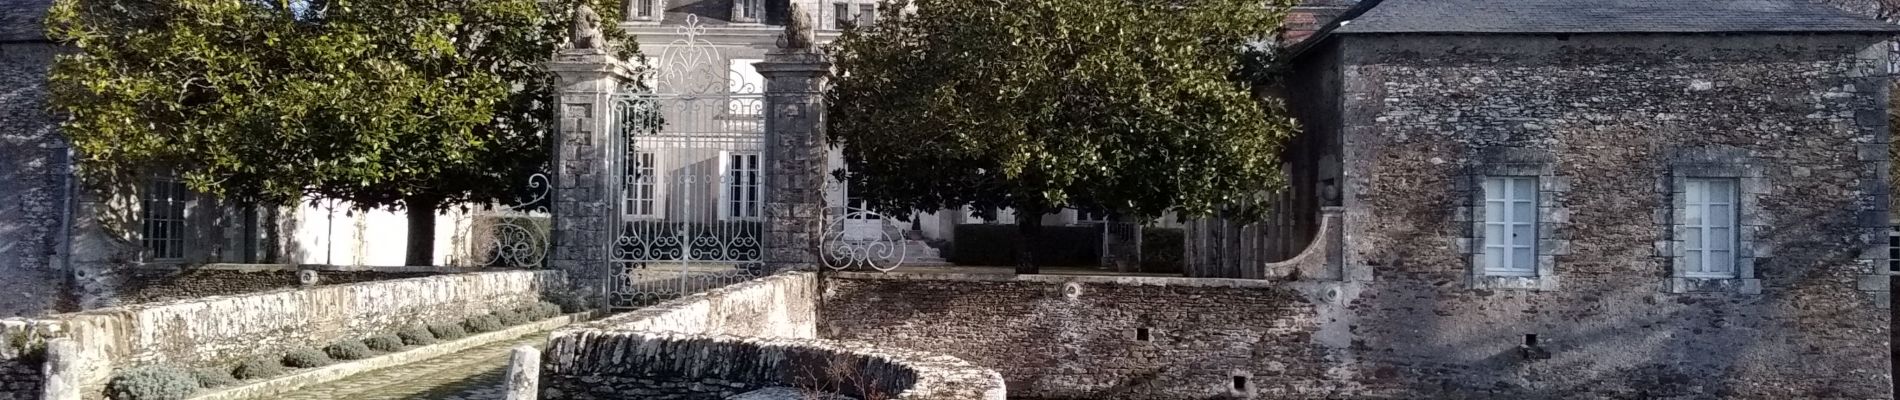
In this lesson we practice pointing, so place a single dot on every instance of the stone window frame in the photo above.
(1552, 216)
(1720, 162)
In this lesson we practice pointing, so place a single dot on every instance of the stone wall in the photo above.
(22, 352)
(223, 330)
(749, 336)
(32, 169)
(1075, 337)
(1615, 116)
(782, 306)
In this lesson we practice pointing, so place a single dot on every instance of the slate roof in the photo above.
(23, 20)
(1607, 16)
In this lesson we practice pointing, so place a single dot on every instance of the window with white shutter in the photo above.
(1510, 225)
(1708, 227)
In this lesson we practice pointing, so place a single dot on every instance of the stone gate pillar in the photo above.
(583, 164)
(795, 149)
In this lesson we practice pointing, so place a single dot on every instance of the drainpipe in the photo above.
(66, 221)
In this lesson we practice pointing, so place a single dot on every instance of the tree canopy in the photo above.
(418, 104)
(1140, 107)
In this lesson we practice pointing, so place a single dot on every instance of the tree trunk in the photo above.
(273, 234)
(1029, 226)
(420, 251)
(250, 232)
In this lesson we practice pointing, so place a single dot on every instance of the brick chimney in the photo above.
(1311, 15)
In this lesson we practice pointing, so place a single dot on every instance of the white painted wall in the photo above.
(330, 233)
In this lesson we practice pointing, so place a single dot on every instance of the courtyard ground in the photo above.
(472, 374)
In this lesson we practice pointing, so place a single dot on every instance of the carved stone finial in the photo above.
(797, 31)
(587, 29)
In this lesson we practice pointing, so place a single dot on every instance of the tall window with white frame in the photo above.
(1708, 227)
(840, 15)
(746, 10)
(163, 218)
(1510, 225)
(742, 192)
(640, 186)
(867, 14)
(643, 9)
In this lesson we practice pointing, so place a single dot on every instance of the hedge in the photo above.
(1056, 246)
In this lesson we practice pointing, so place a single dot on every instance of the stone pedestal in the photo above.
(61, 370)
(583, 164)
(524, 374)
(795, 82)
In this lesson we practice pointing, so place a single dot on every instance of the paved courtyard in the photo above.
(467, 375)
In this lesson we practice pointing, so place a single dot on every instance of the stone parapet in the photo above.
(750, 336)
(223, 330)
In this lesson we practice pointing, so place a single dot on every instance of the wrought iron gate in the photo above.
(691, 205)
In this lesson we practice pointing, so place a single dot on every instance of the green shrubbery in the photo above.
(259, 368)
(545, 310)
(482, 323)
(213, 377)
(306, 358)
(511, 317)
(157, 382)
(386, 343)
(170, 383)
(448, 331)
(569, 301)
(416, 335)
(348, 350)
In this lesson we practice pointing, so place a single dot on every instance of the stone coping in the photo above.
(334, 372)
(324, 268)
(635, 318)
(344, 286)
(919, 375)
(900, 274)
(631, 342)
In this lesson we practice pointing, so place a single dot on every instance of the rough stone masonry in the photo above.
(1610, 124)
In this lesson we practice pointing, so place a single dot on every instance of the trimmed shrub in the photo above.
(570, 302)
(545, 310)
(512, 317)
(1055, 246)
(482, 323)
(259, 368)
(1162, 250)
(213, 377)
(416, 335)
(306, 358)
(386, 343)
(448, 331)
(348, 350)
(157, 382)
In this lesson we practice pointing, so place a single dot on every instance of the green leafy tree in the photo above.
(400, 104)
(1141, 107)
